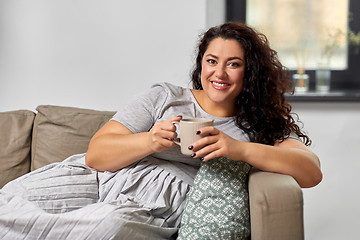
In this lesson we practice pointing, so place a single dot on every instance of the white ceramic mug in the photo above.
(188, 129)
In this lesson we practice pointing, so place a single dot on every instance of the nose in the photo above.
(220, 72)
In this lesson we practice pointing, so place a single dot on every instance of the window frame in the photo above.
(341, 80)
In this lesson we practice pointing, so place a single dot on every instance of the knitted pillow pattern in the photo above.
(218, 204)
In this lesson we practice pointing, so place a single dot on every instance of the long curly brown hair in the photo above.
(262, 111)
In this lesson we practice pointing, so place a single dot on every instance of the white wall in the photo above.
(97, 54)
(332, 208)
(215, 12)
(91, 53)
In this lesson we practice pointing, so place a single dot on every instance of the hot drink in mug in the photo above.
(188, 129)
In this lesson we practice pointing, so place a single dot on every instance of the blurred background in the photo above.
(98, 54)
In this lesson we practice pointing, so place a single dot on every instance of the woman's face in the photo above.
(223, 70)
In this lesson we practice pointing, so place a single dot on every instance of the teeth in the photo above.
(220, 84)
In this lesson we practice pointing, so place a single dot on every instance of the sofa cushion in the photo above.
(218, 204)
(60, 132)
(15, 142)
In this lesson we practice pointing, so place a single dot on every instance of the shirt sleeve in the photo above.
(142, 111)
(294, 136)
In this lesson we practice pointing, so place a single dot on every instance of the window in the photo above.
(299, 30)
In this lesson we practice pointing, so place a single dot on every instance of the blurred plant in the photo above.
(354, 39)
(332, 43)
(334, 39)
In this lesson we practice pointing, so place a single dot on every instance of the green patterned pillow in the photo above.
(218, 204)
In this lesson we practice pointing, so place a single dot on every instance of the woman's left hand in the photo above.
(290, 157)
(214, 145)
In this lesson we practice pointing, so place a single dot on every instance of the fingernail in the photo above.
(179, 115)
(190, 147)
(198, 132)
(202, 158)
(193, 155)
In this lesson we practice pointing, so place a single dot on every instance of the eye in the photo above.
(234, 64)
(211, 61)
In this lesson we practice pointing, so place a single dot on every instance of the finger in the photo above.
(168, 134)
(210, 130)
(161, 132)
(169, 125)
(206, 154)
(174, 119)
(161, 144)
(210, 156)
(167, 143)
(209, 149)
(166, 125)
(208, 140)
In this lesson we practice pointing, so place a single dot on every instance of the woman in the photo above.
(239, 82)
(141, 178)
(237, 75)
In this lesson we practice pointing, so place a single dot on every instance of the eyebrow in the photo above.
(229, 59)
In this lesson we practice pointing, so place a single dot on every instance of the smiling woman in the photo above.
(222, 75)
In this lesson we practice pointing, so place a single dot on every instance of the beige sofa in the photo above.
(31, 140)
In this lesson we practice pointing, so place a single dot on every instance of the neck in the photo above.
(212, 108)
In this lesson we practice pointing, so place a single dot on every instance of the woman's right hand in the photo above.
(114, 146)
(162, 134)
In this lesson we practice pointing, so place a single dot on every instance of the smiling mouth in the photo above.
(220, 84)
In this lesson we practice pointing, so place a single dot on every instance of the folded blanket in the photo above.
(69, 200)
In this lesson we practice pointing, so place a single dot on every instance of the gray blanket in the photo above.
(69, 200)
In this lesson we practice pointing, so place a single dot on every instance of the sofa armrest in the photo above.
(276, 206)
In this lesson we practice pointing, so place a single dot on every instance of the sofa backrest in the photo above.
(15, 144)
(29, 141)
(60, 132)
